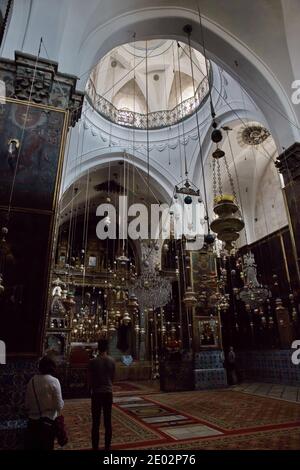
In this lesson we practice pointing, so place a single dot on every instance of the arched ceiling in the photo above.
(94, 187)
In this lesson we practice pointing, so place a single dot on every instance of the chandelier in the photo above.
(252, 294)
(150, 288)
(121, 307)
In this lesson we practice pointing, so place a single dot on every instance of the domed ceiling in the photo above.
(162, 81)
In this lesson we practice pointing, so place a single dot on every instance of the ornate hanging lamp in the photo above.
(228, 223)
(253, 294)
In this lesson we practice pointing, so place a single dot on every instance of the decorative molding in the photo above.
(39, 80)
(252, 134)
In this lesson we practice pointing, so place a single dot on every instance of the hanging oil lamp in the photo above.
(104, 329)
(189, 298)
(228, 225)
(126, 319)
(132, 303)
(111, 328)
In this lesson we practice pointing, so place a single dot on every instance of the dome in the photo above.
(149, 84)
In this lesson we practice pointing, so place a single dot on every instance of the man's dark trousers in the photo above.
(101, 400)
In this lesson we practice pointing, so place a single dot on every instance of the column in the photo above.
(39, 106)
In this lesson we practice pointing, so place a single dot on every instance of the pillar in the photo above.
(288, 164)
(39, 106)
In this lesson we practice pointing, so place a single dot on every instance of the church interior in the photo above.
(109, 111)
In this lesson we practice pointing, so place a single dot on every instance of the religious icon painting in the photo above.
(30, 150)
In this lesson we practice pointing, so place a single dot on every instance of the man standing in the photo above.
(231, 359)
(101, 375)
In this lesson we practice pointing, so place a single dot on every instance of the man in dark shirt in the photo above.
(101, 376)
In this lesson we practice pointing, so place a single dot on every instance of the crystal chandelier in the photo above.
(150, 288)
(252, 294)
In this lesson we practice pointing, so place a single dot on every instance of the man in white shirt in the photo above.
(43, 403)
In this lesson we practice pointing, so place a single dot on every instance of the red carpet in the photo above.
(191, 420)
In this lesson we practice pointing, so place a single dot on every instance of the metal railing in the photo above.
(153, 120)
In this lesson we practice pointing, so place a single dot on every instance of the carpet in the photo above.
(230, 409)
(123, 387)
(125, 429)
(284, 439)
(217, 420)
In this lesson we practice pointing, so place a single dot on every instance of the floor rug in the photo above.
(126, 430)
(218, 420)
(230, 409)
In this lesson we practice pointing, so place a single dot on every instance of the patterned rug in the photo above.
(284, 439)
(123, 387)
(125, 429)
(230, 409)
(191, 420)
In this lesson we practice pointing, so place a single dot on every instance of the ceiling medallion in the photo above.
(253, 134)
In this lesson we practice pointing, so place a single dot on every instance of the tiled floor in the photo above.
(283, 392)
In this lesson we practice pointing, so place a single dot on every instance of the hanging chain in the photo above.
(219, 177)
(214, 179)
(230, 178)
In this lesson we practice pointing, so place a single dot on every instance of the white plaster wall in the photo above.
(270, 211)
